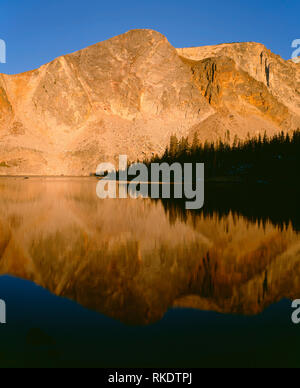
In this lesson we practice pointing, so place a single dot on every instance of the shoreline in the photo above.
(45, 176)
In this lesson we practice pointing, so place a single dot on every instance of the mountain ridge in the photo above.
(130, 93)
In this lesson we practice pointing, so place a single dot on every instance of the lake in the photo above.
(145, 283)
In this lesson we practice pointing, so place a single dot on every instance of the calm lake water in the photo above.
(120, 283)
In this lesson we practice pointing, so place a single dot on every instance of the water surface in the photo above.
(136, 282)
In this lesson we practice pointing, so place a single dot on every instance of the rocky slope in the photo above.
(129, 94)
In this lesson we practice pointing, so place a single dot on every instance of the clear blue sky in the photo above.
(37, 31)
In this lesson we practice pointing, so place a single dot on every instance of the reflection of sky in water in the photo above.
(149, 271)
(183, 338)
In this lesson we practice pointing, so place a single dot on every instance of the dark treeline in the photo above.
(262, 158)
(257, 203)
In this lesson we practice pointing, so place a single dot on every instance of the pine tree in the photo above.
(195, 143)
(173, 149)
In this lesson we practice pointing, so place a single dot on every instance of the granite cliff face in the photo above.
(129, 94)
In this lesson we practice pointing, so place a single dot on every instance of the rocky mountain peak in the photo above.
(129, 94)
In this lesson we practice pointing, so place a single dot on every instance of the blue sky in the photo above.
(37, 31)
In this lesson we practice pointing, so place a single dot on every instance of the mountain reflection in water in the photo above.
(133, 260)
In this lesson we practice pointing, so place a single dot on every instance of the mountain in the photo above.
(128, 95)
(133, 260)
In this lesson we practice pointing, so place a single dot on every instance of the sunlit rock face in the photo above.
(282, 78)
(132, 260)
(128, 95)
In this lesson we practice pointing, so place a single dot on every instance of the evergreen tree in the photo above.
(173, 149)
